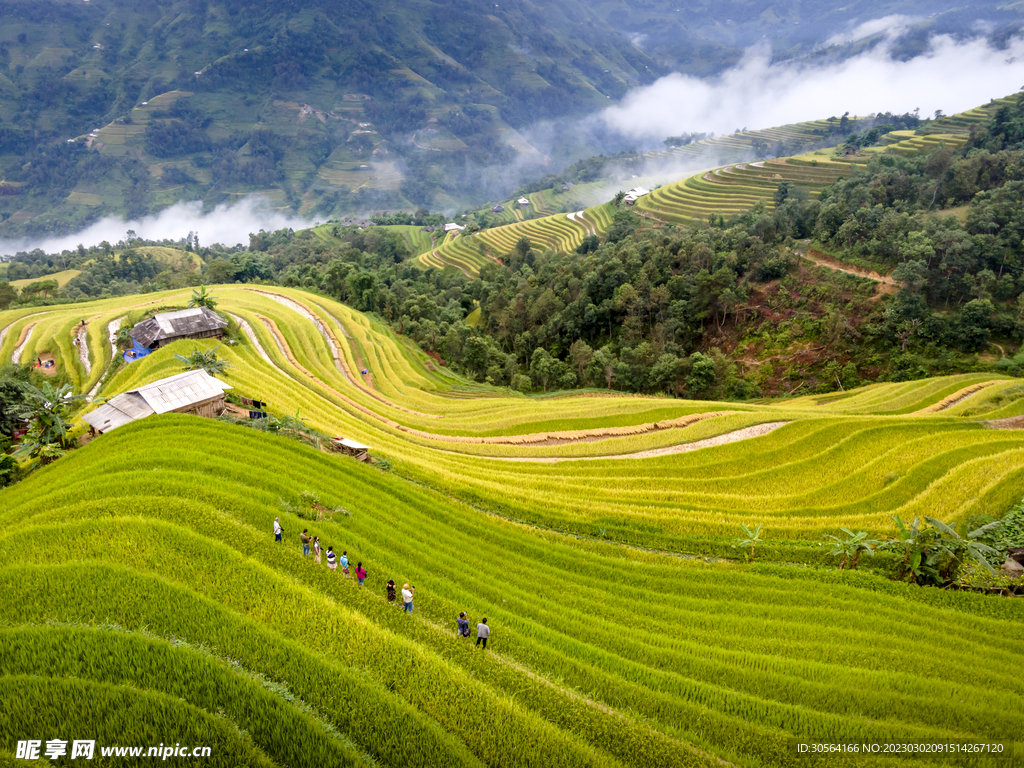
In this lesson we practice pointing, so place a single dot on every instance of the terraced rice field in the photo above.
(725, 191)
(140, 578)
(461, 437)
(562, 232)
(735, 189)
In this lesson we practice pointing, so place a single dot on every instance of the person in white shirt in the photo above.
(277, 529)
(482, 633)
(407, 593)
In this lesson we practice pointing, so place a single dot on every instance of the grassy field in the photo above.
(140, 574)
(62, 278)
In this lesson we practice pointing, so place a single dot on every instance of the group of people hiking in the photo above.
(482, 630)
(311, 544)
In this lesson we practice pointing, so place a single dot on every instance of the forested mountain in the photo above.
(323, 106)
(114, 107)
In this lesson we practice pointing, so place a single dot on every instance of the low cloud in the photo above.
(892, 26)
(225, 224)
(951, 76)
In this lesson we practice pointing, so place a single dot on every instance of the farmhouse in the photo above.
(522, 201)
(195, 392)
(497, 209)
(567, 186)
(635, 194)
(162, 329)
(453, 227)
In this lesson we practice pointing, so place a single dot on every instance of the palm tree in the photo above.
(47, 409)
(204, 360)
(201, 298)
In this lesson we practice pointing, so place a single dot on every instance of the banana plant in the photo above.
(852, 547)
(750, 542)
(970, 546)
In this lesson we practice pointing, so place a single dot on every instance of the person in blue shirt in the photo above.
(344, 563)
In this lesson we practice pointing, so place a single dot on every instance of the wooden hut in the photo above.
(357, 451)
(195, 392)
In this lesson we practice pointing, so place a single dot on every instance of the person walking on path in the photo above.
(407, 593)
(463, 622)
(277, 529)
(316, 549)
(304, 538)
(391, 590)
(332, 562)
(344, 564)
(360, 573)
(482, 633)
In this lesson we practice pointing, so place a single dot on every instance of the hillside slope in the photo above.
(140, 576)
(533, 458)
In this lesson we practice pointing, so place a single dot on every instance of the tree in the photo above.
(665, 372)
(47, 408)
(220, 271)
(202, 298)
(543, 368)
(582, 356)
(204, 360)
(7, 295)
(702, 374)
(606, 360)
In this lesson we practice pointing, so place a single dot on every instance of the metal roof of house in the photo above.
(351, 444)
(161, 396)
(171, 325)
(182, 390)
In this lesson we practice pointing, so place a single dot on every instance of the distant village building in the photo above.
(453, 227)
(428, 228)
(635, 194)
(195, 323)
(498, 209)
(522, 201)
(567, 186)
(195, 392)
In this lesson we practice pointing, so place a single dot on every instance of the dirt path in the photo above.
(1002, 352)
(82, 337)
(823, 260)
(249, 332)
(3, 334)
(26, 334)
(1013, 422)
(112, 328)
(729, 437)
